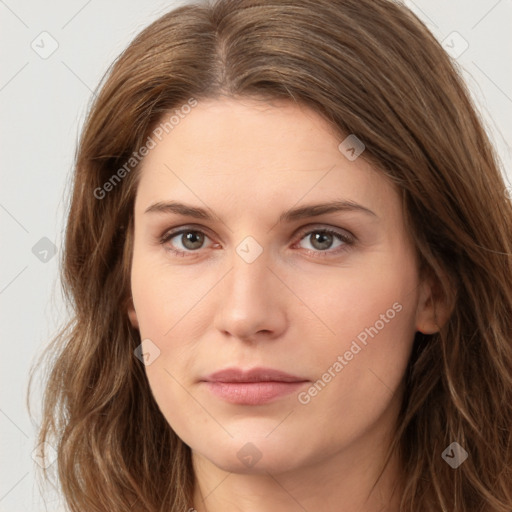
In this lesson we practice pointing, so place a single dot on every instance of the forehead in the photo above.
(254, 156)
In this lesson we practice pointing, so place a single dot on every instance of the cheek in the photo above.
(168, 305)
(166, 297)
(367, 317)
(360, 367)
(374, 299)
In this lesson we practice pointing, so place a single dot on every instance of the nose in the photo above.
(251, 301)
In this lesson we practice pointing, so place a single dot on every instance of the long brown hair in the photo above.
(372, 69)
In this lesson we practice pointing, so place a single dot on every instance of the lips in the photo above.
(253, 375)
(256, 386)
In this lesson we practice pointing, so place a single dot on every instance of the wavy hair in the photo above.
(370, 68)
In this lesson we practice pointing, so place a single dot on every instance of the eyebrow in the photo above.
(302, 212)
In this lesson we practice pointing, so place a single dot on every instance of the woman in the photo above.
(288, 252)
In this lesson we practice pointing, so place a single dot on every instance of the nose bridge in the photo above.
(249, 302)
(250, 275)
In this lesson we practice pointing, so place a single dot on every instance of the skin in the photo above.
(297, 307)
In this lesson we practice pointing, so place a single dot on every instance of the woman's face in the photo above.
(263, 249)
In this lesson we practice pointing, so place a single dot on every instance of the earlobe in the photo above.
(132, 315)
(432, 312)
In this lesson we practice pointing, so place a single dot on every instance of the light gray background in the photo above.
(43, 102)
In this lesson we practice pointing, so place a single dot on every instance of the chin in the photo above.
(254, 455)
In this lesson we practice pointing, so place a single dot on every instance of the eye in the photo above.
(325, 239)
(321, 241)
(188, 240)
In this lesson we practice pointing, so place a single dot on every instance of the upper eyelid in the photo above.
(303, 229)
(321, 227)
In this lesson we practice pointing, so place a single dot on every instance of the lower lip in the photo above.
(252, 393)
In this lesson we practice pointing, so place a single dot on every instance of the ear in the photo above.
(433, 309)
(132, 315)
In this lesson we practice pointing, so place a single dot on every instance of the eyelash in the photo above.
(348, 241)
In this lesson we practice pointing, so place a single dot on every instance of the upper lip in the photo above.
(252, 375)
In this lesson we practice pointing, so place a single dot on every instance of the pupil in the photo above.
(193, 240)
(324, 240)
